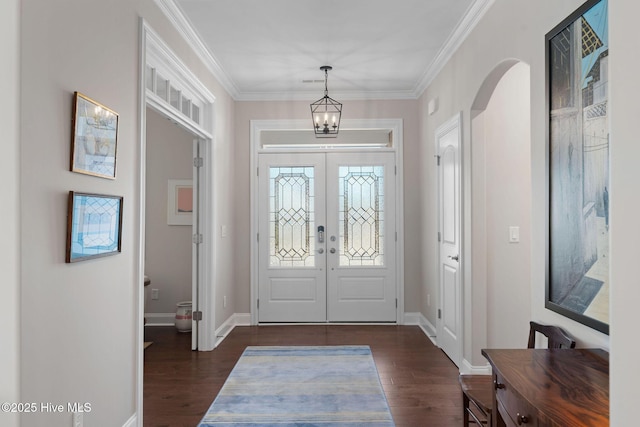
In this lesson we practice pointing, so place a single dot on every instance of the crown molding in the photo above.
(184, 27)
(313, 95)
(468, 22)
(474, 13)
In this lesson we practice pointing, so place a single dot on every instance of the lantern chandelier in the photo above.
(326, 112)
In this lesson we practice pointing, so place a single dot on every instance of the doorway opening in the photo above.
(499, 218)
(327, 221)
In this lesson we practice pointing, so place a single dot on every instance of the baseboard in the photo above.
(160, 319)
(424, 324)
(131, 422)
(468, 369)
(244, 319)
(236, 319)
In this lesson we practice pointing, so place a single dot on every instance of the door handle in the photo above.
(321, 250)
(332, 250)
(455, 257)
(321, 234)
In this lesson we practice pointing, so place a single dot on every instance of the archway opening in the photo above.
(501, 197)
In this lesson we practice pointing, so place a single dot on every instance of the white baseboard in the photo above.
(160, 319)
(424, 324)
(468, 369)
(131, 422)
(236, 319)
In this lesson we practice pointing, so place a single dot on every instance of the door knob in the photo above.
(332, 250)
(455, 257)
(321, 250)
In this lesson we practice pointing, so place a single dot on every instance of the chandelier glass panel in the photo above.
(326, 112)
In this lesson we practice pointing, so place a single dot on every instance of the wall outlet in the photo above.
(78, 419)
(155, 293)
(224, 301)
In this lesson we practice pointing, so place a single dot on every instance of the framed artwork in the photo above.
(180, 202)
(577, 64)
(94, 226)
(94, 139)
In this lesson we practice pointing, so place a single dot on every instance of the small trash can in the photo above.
(183, 316)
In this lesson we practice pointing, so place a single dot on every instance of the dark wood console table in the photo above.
(555, 387)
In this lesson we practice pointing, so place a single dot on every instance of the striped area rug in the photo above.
(302, 386)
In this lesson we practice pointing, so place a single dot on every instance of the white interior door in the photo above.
(449, 325)
(327, 245)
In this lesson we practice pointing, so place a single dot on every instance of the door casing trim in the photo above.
(394, 125)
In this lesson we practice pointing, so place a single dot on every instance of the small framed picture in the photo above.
(180, 202)
(94, 138)
(94, 226)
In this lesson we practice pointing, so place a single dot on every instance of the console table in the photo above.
(550, 387)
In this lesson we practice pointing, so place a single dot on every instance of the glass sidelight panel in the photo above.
(361, 215)
(291, 216)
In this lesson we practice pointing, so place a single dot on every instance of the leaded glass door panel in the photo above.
(292, 283)
(361, 232)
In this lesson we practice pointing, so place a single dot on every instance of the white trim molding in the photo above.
(468, 22)
(236, 319)
(131, 422)
(160, 319)
(468, 369)
(418, 319)
(472, 16)
(182, 25)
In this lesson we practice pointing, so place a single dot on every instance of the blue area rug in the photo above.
(302, 386)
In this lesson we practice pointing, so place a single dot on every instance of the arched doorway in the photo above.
(501, 195)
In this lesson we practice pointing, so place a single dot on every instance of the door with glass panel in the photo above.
(361, 244)
(326, 237)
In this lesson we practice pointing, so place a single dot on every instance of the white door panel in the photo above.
(449, 324)
(292, 277)
(361, 237)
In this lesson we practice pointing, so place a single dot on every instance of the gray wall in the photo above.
(406, 110)
(10, 208)
(457, 86)
(167, 247)
(78, 333)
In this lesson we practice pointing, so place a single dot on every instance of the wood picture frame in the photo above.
(577, 52)
(94, 226)
(94, 138)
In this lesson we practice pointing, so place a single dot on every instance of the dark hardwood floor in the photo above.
(420, 382)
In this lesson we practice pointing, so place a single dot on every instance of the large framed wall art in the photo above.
(577, 58)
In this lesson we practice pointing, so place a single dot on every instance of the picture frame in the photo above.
(180, 202)
(577, 121)
(94, 226)
(94, 138)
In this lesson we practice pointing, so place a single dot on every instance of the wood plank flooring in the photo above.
(420, 382)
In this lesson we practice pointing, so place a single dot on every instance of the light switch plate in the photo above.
(514, 234)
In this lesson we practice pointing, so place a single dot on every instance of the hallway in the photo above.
(420, 382)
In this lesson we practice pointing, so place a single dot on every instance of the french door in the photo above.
(327, 237)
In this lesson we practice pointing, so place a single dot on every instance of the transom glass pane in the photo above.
(291, 216)
(361, 215)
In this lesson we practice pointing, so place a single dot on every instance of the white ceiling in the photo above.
(267, 49)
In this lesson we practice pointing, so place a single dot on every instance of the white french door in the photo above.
(327, 241)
